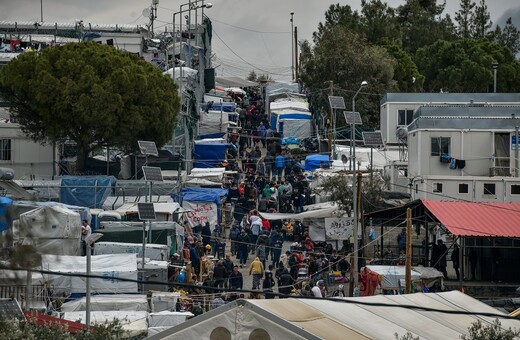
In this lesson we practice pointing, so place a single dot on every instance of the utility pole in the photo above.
(408, 267)
(292, 45)
(331, 92)
(296, 70)
(360, 210)
(495, 67)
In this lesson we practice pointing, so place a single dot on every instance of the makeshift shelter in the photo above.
(86, 191)
(108, 302)
(51, 230)
(486, 227)
(207, 155)
(291, 120)
(110, 267)
(317, 161)
(203, 205)
(167, 233)
(133, 323)
(428, 316)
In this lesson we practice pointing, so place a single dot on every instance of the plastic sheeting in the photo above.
(168, 319)
(208, 155)
(86, 191)
(134, 323)
(111, 267)
(158, 252)
(52, 230)
(392, 275)
(317, 161)
(119, 302)
(50, 222)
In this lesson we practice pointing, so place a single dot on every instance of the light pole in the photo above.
(90, 240)
(495, 67)
(354, 185)
(292, 45)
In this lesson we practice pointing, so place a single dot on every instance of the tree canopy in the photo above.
(92, 94)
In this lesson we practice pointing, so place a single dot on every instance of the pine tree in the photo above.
(464, 17)
(481, 22)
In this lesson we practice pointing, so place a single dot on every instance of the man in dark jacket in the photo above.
(243, 247)
(285, 283)
(206, 234)
(236, 280)
(219, 274)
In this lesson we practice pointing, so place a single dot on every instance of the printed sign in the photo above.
(514, 144)
(201, 212)
(339, 228)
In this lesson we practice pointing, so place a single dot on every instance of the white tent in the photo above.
(375, 317)
(110, 267)
(51, 230)
(134, 323)
(108, 302)
(181, 71)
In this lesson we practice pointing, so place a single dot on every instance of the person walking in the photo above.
(219, 274)
(236, 280)
(243, 247)
(233, 236)
(256, 269)
(260, 252)
(401, 240)
(285, 283)
(279, 163)
(268, 285)
(455, 259)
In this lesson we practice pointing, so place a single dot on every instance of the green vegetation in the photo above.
(411, 48)
(91, 94)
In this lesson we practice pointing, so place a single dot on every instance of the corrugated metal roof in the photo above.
(466, 117)
(477, 218)
(447, 98)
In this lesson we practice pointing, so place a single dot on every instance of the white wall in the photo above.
(27, 157)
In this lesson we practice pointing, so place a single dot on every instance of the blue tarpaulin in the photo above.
(202, 195)
(313, 162)
(6, 216)
(208, 155)
(86, 191)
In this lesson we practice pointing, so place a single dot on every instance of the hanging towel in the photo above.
(453, 163)
(445, 158)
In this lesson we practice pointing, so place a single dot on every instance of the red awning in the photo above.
(477, 218)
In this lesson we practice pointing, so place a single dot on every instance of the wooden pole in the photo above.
(408, 268)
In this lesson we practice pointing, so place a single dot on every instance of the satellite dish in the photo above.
(402, 133)
(146, 12)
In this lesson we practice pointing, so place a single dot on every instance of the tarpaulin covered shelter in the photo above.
(317, 161)
(86, 191)
(110, 267)
(51, 230)
(207, 155)
(203, 205)
(428, 316)
(291, 118)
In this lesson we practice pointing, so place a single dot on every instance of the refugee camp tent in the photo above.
(110, 267)
(373, 317)
(290, 120)
(51, 230)
(203, 205)
(108, 302)
(86, 191)
(207, 155)
(316, 161)
(133, 323)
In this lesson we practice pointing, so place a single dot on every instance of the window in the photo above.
(5, 149)
(437, 187)
(463, 188)
(404, 117)
(489, 188)
(515, 189)
(440, 146)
